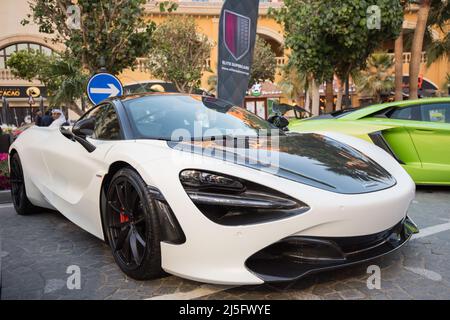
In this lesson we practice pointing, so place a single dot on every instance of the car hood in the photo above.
(312, 159)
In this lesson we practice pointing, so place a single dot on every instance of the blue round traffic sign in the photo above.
(102, 86)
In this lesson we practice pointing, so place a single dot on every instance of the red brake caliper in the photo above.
(123, 217)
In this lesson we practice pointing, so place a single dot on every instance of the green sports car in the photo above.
(415, 132)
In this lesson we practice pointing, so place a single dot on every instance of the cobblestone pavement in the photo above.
(36, 250)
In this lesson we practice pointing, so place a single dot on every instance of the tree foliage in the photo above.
(440, 14)
(29, 65)
(378, 77)
(179, 53)
(264, 63)
(212, 84)
(293, 84)
(447, 81)
(439, 18)
(112, 33)
(61, 74)
(330, 36)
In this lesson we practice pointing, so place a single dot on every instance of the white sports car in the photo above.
(191, 185)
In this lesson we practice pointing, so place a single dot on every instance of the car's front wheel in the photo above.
(132, 226)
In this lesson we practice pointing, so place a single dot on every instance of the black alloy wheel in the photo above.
(132, 226)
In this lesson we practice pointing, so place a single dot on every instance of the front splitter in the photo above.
(276, 263)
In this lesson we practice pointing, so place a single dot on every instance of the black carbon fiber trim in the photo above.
(297, 256)
(378, 139)
(310, 159)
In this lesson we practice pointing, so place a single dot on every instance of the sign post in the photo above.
(41, 105)
(102, 86)
(4, 111)
(31, 102)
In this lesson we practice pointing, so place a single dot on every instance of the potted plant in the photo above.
(4, 172)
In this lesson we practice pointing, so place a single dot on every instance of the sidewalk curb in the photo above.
(0, 269)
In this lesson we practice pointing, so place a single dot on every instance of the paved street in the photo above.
(35, 252)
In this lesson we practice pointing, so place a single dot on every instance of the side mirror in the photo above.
(279, 121)
(84, 128)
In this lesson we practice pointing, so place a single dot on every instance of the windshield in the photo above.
(182, 117)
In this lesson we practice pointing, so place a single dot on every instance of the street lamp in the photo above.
(102, 64)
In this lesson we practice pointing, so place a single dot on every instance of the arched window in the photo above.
(6, 52)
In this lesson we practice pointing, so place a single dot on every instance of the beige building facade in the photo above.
(206, 15)
(14, 37)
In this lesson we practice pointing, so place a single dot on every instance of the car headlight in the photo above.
(207, 180)
(233, 201)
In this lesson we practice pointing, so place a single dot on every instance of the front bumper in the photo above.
(217, 254)
(295, 257)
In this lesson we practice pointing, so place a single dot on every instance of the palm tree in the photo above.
(399, 67)
(329, 96)
(378, 77)
(447, 83)
(340, 93)
(398, 53)
(212, 83)
(69, 84)
(440, 18)
(315, 95)
(416, 49)
(293, 84)
(438, 49)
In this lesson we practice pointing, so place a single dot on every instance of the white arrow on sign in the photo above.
(112, 90)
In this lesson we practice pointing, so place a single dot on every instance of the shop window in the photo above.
(6, 52)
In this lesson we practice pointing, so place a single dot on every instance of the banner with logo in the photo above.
(237, 36)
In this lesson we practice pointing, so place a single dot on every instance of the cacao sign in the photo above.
(22, 91)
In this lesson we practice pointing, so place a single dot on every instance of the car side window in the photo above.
(107, 125)
(436, 112)
(407, 113)
(90, 114)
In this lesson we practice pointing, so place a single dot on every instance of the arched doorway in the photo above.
(8, 50)
(276, 42)
(17, 91)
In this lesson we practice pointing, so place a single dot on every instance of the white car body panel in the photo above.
(62, 175)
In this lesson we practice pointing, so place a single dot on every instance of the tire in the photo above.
(19, 197)
(132, 226)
